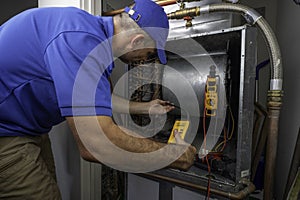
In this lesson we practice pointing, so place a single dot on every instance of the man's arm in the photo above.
(90, 132)
(157, 106)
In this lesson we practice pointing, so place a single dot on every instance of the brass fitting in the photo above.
(180, 14)
(275, 98)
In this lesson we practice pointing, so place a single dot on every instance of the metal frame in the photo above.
(246, 104)
(90, 173)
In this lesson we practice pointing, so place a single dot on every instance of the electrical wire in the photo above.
(225, 132)
(233, 124)
(223, 143)
(206, 157)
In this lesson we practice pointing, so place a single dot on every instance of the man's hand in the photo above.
(153, 107)
(158, 106)
(186, 160)
(178, 138)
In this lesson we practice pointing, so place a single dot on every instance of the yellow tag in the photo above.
(181, 127)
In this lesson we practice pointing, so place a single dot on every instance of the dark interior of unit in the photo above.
(225, 51)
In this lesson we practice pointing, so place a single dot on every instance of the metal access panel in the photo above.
(222, 134)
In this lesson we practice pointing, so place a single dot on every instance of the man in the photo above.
(55, 65)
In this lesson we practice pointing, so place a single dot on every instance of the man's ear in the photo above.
(137, 40)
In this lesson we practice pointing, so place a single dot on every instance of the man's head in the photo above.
(147, 28)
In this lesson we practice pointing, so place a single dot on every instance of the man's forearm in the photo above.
(122, 105)
(183, 154)
(107, 145)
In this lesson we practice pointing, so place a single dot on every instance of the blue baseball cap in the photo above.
(152, 18)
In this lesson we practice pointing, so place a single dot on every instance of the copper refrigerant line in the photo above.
(275, 92)
(159, 2)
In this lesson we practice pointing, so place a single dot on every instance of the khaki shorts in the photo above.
(27, 169)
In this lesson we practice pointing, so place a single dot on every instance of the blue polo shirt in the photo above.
(54, 62)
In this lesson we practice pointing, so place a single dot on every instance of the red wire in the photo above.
(208, 181)
(206, 157)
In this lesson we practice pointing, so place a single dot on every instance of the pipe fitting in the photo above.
(252, 16)
(275, 84)
(275, 98)
(187, 12)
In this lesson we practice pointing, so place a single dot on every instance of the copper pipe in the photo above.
(159, 2)
(165, 2)
(274, 104)
(238, 195)
(170, 2)
(112, 13)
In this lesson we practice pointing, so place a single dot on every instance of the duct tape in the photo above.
(204, 9)
(276, 84)
(252, 16)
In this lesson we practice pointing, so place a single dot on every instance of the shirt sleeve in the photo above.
(79, 65)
